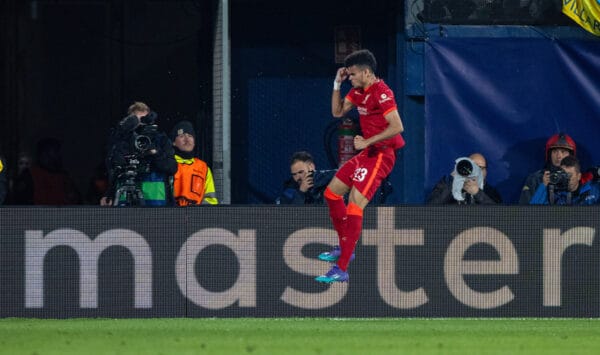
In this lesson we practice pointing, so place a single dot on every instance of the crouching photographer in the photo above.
(306, 184)
(140, 161)
(567, 186)
(466, 185)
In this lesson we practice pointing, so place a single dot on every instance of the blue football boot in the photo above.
(335, 274)
(333, 255)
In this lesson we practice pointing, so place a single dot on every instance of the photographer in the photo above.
(565, 186)
(306, 185)
(466, 185)
(140, 161)
(558, 147)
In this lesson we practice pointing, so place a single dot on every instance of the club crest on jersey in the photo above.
(384, 98)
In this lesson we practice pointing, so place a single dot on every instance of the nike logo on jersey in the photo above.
(365, 100)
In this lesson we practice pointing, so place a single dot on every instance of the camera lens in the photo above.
(464, 168)
(142, 143)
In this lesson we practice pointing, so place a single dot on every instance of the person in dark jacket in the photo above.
(306, 185)
(558, 147)
(470, 187)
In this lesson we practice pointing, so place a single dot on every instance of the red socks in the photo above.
(347, 221)
(337, 212)
(353, 231)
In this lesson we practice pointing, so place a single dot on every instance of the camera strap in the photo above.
(551, 196)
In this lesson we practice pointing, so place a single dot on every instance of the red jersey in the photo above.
(373, 103)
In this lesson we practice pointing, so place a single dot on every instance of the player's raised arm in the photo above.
(339, 105)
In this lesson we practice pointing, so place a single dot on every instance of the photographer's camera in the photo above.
(464, 168)
(559, 179)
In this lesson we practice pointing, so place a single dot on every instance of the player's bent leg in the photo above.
(358, 198)
(353, 231)
(334, 196)
(337, 211)
(335, 202)
(337, 207)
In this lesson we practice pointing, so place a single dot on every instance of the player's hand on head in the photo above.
(342, 74)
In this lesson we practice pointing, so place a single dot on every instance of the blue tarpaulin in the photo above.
(504, 97)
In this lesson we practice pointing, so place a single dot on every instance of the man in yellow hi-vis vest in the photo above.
(193, 182)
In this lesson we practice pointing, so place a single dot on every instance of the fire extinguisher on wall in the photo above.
(346, 132)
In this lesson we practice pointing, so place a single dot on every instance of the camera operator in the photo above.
(466, 185)
(306, 185)
(140, 161)
(558, 146)
(565, 186)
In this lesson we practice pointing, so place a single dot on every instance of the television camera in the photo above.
(137, 144)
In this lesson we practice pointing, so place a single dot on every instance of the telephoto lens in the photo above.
(464, 168)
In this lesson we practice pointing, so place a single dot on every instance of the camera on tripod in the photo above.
(139, 145)
(129, 192)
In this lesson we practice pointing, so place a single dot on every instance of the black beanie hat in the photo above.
(181, 128)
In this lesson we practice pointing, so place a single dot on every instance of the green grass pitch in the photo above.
(300, 336)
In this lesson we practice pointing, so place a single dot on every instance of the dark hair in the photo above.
(571, 161)
(361, 58)
(302, 156)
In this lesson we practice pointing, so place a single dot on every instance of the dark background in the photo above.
(72, 68)
(69, 70)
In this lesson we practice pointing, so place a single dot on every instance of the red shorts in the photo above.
(366, 170)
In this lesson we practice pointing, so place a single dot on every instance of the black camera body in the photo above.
(130, 159)
(132, 151)
(142, 145)
(559, 179)
(143, 140)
